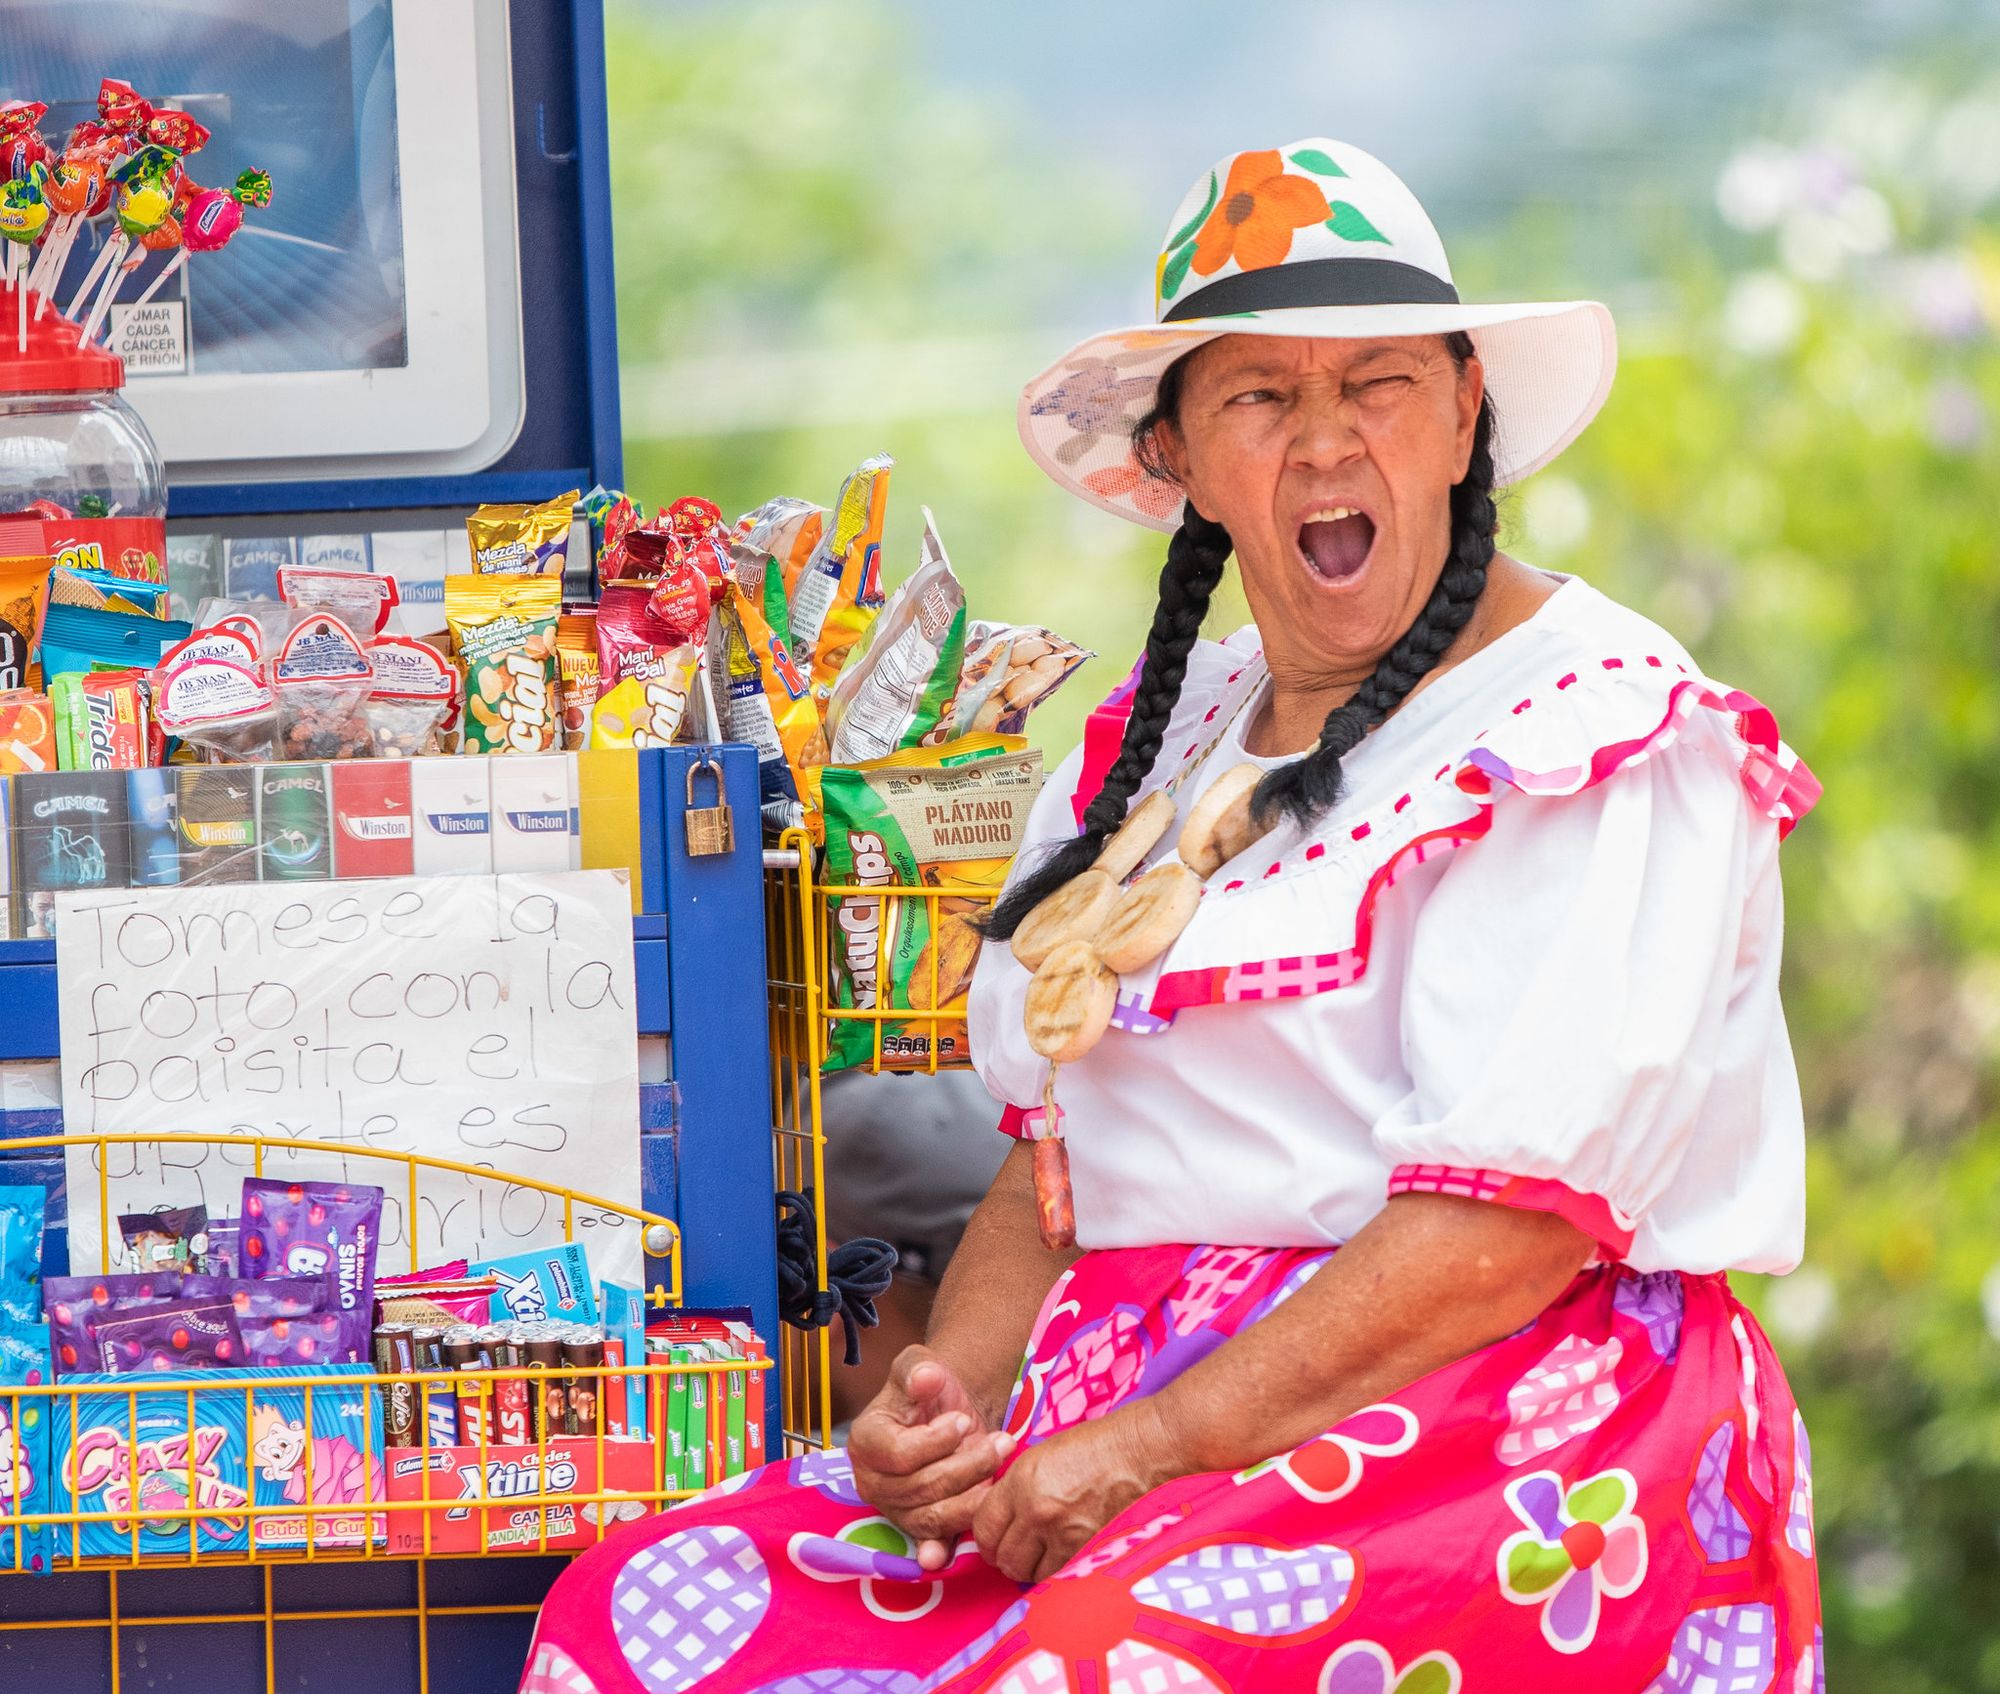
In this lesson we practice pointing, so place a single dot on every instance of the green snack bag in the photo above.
(953, 816)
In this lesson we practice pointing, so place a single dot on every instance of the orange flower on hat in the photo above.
(1253, 221)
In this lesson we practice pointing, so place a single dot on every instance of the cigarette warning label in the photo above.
(151, 339)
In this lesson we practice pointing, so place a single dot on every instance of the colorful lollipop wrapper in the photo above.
(23, 211)
(164, 238)
(253, 187)
(19, 117)
(22, 154)
(76, 181)
(212, 217)
(143, 206)
(121, 106)
(168, 127)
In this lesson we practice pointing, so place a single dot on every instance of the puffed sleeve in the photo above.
(1586, 987)
(1012, 1070)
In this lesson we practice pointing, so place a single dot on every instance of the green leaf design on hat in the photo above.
(1175, 272)
(1348, 223)
(1194, 223)
(1320, 164)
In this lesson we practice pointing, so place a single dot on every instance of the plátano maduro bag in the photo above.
(931, 818)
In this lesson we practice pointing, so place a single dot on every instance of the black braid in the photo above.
(1195, 559)
(1308, 787)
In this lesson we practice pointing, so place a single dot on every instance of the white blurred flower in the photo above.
(1757, 187)
(1940, 292)
(1989, 1300)
(1811, 245)
(1800, 1306)
(1557, 513)
(1965, 149)
(1878, 1577)
(1955, 415)
(1864, 221)
(1763, 313)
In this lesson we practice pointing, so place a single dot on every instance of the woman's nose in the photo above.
(1323, 431)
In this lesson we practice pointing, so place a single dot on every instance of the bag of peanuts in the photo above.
(1009, 669)
(504, 628)
(645, 667)
(932, 818)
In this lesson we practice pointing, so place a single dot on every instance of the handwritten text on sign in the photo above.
(484, 1020)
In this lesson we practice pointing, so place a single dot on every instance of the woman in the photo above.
(1401, 1354)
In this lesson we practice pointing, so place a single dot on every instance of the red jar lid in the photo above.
(53, 363)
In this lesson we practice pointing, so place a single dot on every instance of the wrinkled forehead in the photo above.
(1231, 358)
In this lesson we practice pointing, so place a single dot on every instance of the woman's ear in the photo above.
(1471, 392)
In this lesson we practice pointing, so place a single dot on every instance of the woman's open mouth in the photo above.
(1335, 542)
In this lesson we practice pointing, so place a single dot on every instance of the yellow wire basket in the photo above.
(291, 1465)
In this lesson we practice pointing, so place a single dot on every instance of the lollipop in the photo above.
(21, 143)
(210, 222)
(168, 127)
(23, 213)
(75, 181)
(145, 199)
(124, 110)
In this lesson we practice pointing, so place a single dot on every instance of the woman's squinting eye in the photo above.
(1253, 396)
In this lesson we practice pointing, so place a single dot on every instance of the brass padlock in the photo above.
(710, 829)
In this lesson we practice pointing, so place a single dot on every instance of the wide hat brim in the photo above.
(1548, 366)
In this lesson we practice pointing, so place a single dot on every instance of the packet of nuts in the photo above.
(504, 628)
(645, 666)
(1009, 669)
(902, 685)
(415, 687)
(322, 678)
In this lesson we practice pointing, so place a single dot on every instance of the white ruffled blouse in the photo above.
(1531, 956)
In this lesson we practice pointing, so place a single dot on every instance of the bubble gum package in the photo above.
(172, 1335)
(326, 1230)
(25, 1483)
(258, 1297)
(22, 1210)
(313, 1338)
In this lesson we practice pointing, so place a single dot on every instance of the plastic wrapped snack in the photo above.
(322, 677)
(838, 593)
(781, 534)
(504, 628)
(902, 686)
(412, 695)
(1009, 669)
(522, 540)
(222, 708)
(645, 667)
(360, 598)
(953, 815)
(578, 672)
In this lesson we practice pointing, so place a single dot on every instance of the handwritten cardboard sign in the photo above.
(485, 1020)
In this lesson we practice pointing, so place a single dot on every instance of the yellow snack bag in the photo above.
(522, 540)
(838, 591)
(504, 631)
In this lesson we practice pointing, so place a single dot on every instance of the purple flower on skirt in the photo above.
(1657, 1302)
(1725, 1650)
(683, 1607)
(1718, 1525)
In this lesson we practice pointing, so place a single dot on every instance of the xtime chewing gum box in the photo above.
(534, 812)
(451, 804)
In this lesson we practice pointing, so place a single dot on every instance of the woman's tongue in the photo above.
(1337, 548)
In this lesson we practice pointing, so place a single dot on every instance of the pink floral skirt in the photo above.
(1618, 1497)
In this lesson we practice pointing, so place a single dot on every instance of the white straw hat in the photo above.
(1313, 239)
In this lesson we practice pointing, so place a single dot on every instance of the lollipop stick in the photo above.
(20, 271)
(112, 278)
(158, 282)
(49, 272)
(111, 249)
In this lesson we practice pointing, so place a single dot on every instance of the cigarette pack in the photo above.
(70, 832)
(294, 823)
(372, 831)
(251, 564)
(485, 1521)
(152, 802)
(535, 812)
(551, 1282)
(334, 553)
(216, 815)
(451, 803)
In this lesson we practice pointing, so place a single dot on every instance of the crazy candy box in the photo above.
(131, 1457)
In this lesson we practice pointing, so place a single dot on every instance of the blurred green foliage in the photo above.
(1798, 472)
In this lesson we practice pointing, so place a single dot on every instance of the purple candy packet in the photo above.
(71, 1303)
(180, 1334)
(220, 1259)
(318, 1338)
(166, 1240)
(326, 1230)
(266, 1297)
